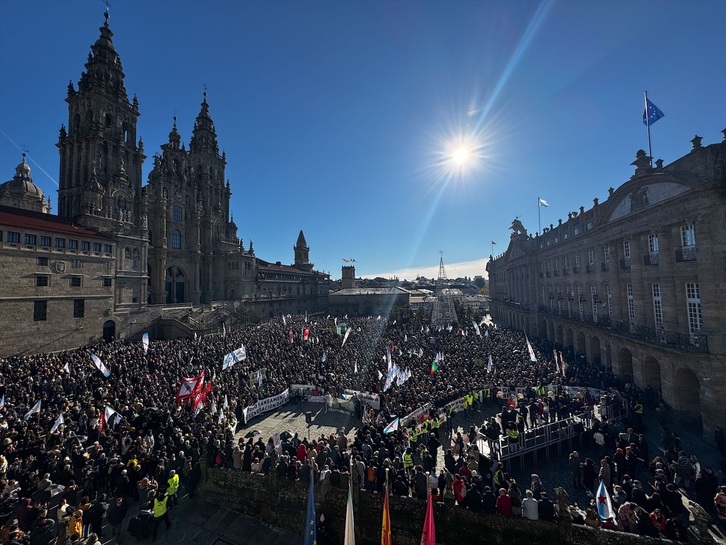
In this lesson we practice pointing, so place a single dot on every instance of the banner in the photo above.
(266, 405)
(372, 399)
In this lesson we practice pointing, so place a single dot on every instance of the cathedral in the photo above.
(119, 254)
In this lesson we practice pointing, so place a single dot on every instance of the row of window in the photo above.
(693, 304)
(40, 310)
(31, 239)
(688, 240)
(43, 281)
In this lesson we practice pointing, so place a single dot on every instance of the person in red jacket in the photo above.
(504, 503)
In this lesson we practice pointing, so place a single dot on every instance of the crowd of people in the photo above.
(79, 448)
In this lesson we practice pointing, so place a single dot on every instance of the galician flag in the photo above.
(58, 421)
(34, 410)
(393, 426)
(604, 505)
(532, 357)
(543, 202)
(100, 366)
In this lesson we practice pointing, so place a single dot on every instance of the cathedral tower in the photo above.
(302, 254)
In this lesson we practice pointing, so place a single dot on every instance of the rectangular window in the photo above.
(96, 246)
(567, 262)
(610, 300)
(79, 308)
(589, 225)
(631, 304)
(40, 309)
(106, 282)
(41, 280)
(606, 253)
(60, 243)
(653, 243)
(576, 231)
(593, 298)
(13, 237)
(577, 259)
(85, 245)
(693, 303)
(75, 281)
(626, 249)
(1, 235)
(76, 263)
(580, 303)
(176, 213)
(72, 244)
(688, 235)
(42, 261)
(657, 306)
(107, 248)
(591, 257)
(45, 241)
(30, 239)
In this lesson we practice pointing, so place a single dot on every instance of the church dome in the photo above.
(21, 192)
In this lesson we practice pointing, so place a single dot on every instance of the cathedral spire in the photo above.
(204, 136)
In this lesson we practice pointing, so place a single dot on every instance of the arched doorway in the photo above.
(687, 396)
(175, 284)
(109, 331)
(568, 338)
(651, 373)
(580, 346)
(625, 365)
(595, 356)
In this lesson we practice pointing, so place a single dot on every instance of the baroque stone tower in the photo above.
(302, 254)
(100, 165)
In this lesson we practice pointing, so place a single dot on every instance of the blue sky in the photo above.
(340, 117)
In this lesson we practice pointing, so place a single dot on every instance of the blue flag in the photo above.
(651, 113)
(311, 529)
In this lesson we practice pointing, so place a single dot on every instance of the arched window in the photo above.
(176, 240)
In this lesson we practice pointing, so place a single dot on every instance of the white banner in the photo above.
(265, 405)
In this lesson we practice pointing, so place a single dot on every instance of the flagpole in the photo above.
(647, 123)
(539, 216)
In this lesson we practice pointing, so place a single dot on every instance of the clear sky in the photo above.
(341, 117)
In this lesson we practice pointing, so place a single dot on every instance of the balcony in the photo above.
(625, 263)
(651, 259)
(682, 342)
(686, 254)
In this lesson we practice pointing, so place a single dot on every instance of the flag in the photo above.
(325, 357)
(34, 410)
(284, 321)
(563, 365)
(476, 326)
(108, 413)
(195, 335)
(355, 368)
(189, 386)
(494, 243)
(2, 402)
(386, 538)
(311, 529)
(306, 333)
(101, 422)
(290, 335)
(604, 505)
(349, 522)
(234, 357)
(651, 113)
(225, 405)
(543, 202)
(145, 342)
(100, 366)
(58, 422)
(428, 536)
(532, 357)
(201, 397)
(490, 365)
(67, 367)
(434, 368)
(388, 357)
(345, 337)
(380, 375)
(557, 365)
(393, 426)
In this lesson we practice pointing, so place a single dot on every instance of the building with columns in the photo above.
(128, 252)
(636, 283)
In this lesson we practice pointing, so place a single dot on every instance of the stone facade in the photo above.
(636, 283)
(172, 242)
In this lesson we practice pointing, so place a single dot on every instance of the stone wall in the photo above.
(283, 505)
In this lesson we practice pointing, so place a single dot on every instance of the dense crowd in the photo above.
(126, 440)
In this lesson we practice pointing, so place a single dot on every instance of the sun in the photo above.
(461, 156)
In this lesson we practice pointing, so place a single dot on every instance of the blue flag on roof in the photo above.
(651, 113)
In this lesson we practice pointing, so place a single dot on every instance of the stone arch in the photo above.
(651, 373)
(580, 347)
(569, 340)
(559, 335)
(687, 398)
(175, 284)
(109, 331)
(595, 353)
(625, 365)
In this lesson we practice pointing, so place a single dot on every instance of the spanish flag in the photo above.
(386, 529)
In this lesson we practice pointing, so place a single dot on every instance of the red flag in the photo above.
(101, 422)
(386, 529)
(428, 536)
(306, 333)
(290, 335)
(189, 387)
(201, 396)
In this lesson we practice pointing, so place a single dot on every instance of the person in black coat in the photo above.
(489, 501)
(115, 516)
(94, 515)
(546, 508)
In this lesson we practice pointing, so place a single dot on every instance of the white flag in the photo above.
(224, 330)
(67, 367)
(380, 375)
(58, 422)
(284, 321)
(145, 342)
(349, 522)
(34, 410)
(355, 368)
(490, 365)
(345, 337)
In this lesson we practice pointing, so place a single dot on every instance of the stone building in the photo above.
(172, 242)
(635, 283)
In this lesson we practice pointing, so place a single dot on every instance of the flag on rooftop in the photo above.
(543, 202)
(651, 113)
(494, 243)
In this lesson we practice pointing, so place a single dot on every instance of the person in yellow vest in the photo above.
(408, 462)
(161, 512)
(172, 487)
(513, 436)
